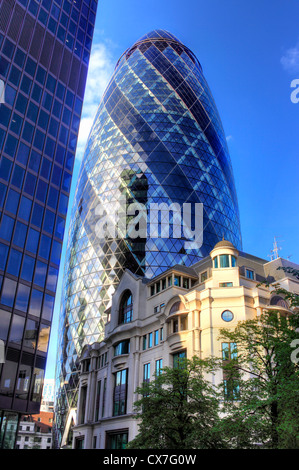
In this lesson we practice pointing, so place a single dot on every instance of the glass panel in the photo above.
(22, 298)
(224, 261)
(23, 382)
(30, 336)
(17, 329)
(4, 324)
(38, 379)
(43, 338)
(8, 292)
(8, 378)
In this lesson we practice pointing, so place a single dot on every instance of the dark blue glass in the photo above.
(10, 145)
(16, 123)
(53, 197)
(14, 262)
(37, 215)
(3, 255)
(32, 241)
(34, 161)
(48, 307)
(23, 153)
(27, 268)
(20, 234)
(5, 168)
(52, 279)
(44, 246)
(12, 201)
(30, 182)
(40, 273)
(3, 188)
(8, 292)
(35, 303)
(6, 227)
(41, 191)
(56, 252)
(25, 208)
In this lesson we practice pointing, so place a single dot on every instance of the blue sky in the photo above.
(249, 52)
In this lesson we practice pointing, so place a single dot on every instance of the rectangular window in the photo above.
(158, 368)
(146, 372)
(204, 276)
(150, 340)
(224, 261)
(104, 397)
(178, 358)
(225, 284)
(117, 440)
(120, 393)
(156, 337)
(98, 398)
(249, 274)
(144, 342)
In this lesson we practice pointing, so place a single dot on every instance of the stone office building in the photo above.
(152, 323)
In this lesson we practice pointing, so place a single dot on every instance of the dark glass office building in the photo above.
(157, 138)
(44, 53)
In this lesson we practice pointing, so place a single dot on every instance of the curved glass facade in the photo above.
(156, 138)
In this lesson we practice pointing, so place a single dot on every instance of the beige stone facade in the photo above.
(177, 313)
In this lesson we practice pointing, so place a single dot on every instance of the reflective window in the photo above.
(17, 329)
(4, 324)
(27, 268)
(20, 234)
(48, 307)
(12, 201)
(23, 382)
(14, 262)
(35, 303)
(25, 208)
(38, 379)
(3, 255)
(32, 241)
(43, 338)
(8, 378)
(8, 292)
(6, 227)
(40, 274)
(30, 335)
(22, 297)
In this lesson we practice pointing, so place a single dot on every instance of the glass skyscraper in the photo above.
(44, 53)
(157, 138)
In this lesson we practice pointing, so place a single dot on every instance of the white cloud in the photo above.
(290, 60)
(101, 66)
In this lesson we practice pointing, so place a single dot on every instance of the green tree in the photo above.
(266, 411)
(179, 409)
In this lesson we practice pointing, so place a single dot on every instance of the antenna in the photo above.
(275, 250)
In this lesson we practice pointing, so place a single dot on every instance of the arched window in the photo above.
(176, 307)
(279, 301)
(126, 308)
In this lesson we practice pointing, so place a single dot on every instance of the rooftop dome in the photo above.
(224, 243)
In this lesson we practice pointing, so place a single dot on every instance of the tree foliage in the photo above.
(267, 410)
(179, 409)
